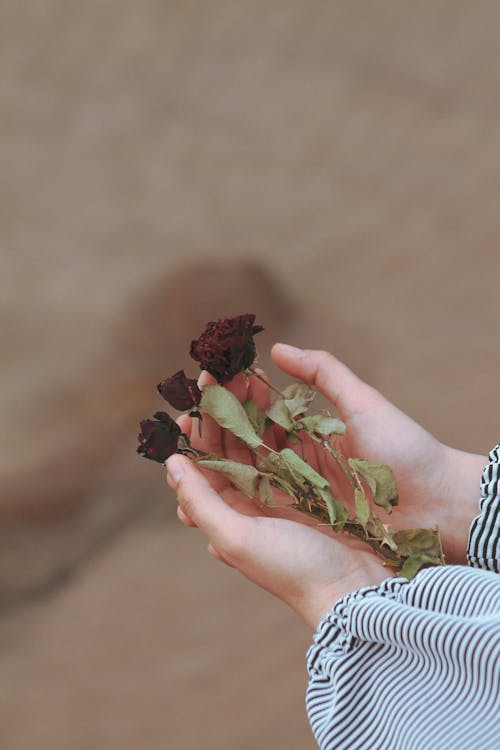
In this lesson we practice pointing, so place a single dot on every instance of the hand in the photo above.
(437, 484)
(305, 568)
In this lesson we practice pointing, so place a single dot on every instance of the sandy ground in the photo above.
(350, 151)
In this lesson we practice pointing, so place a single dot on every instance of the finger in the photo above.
(258, 391)
(331, 377)
(239, 387)
(185, 422)
(199, 501)
(184, 518)
(217, 481)
(305, 448)
(211, 437)
(234, 449)
(205, 379)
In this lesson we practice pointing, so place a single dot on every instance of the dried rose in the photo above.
(226, 347)
(181, 392)
(158, 437)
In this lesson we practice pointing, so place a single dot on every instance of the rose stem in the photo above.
(338, 458)
(270, 385)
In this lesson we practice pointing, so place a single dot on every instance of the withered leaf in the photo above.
(380, 480)
(279, 413)
(256, 416)
(298, 466)
(227, 411)
(413, 541)
(322, 424)
(337, 512)
(363, 511)
(298, 396)
(265, 490)
(243, 476)
(416, 562)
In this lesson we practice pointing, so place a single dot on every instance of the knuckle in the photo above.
(321, 361)
(323, 357)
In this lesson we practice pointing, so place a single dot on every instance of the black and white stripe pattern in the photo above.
(483, 549)
(409, 665)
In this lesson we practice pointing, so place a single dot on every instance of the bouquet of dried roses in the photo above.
(225, 348)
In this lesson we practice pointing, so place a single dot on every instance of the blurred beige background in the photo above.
(333, 167)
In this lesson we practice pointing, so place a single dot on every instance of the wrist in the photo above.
(371, 572)
(459, 501)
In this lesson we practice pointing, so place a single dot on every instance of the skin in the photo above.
(284, 551)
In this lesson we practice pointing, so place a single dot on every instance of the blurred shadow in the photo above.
(54, 515)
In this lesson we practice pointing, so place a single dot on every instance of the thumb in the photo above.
(223, 526)
(348, 393)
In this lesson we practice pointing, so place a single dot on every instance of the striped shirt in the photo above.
(411, 665)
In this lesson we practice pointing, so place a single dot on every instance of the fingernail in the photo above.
(287, 349)
(175, 468)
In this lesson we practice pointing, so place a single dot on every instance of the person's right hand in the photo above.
(437, 485)
(295, 562)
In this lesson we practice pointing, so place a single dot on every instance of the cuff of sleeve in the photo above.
(483, 548)
(334, 632)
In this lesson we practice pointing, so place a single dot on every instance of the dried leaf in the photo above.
(243, 476)
(380, 480)
(279, 466)
(337, 513)
(322, 424)
(381, 531)
(363, 511)
(265, 490)
(256, 416)
(416, 562)
(298, 396)
(413, 541)
(298, 466)
(279, 413)
(227, 411)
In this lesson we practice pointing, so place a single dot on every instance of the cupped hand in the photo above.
(437, 485)
(306, 569)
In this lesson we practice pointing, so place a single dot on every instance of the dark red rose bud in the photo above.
(181, 392)
(158, 437)
(226, 347)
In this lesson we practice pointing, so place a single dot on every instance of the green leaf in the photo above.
(363, 511)
(337, 513)
(280, 414)
(414, 541)
(256, 416)
(243, 476)
(298, 466)
(322, 424)
(227, 411)
(416, 562)
(265, 490)
(380, 480)
(298, 396)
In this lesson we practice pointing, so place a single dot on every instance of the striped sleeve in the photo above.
(483, 549)
(409, 665)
